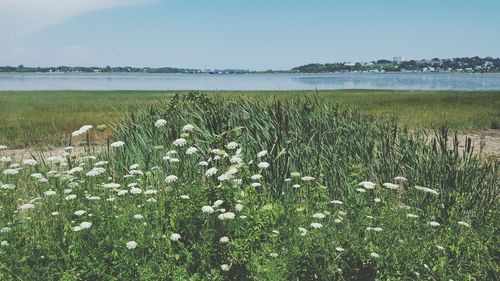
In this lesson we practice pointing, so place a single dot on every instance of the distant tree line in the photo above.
(121, 69)
(465, 64)
(85, 69)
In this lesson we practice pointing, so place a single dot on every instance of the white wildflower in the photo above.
(218, 203)
(262, 153)
(26, 206)
(175, 237)
(188, 128)
(5, 159)
(49, 193)
(226, 216)
(136, 172)
(316, 225)
(434, 223)
(307, 178)
(238, 207)
(207, 209)
(427, 190)
(319, 216)
(74, 170)
(263, 165)
(390, 185)
(232, 145)
(180, 142)
(256, 177)
(135, 190)
(7, 186)
(150, 191)
(160, 123)
(303, 231)
(210, 172)
(171, 178)
(30, 162)
(191, 150)
(117, 144)
(5, 229)
(367, 184)
(11, 172)
(111, 185)
(400, 178)
(376, 229)
(80, 213)
(96, 171)
(85, 225)
(131, 245)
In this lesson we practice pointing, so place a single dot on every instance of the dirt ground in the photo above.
(490, 137)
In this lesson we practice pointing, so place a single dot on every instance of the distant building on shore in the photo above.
(397, 60)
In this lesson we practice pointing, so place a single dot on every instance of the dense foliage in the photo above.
(201, 188)
(465, 64)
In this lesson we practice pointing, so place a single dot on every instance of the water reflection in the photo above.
(139, 81)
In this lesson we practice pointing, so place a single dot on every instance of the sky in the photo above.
(243, 34)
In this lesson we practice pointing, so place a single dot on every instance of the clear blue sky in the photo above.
(248, 34)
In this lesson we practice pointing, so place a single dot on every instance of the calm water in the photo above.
(137, 81)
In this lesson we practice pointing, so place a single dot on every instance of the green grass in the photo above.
(303, 136)
(42, 118)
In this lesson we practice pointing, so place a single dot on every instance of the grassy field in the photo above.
(205, 188)
(42, 118)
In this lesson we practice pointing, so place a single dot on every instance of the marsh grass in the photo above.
(44, 118)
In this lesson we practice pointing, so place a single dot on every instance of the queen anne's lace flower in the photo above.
(207, 209)
(30, 162)
(175, 237)
(210, 172)
(160, 123)
(180, 142)
(316, 225)
(117, 144)
(171, 178)
(191, 150)
(131, 245)
(262, 153)
(427, 190)
(232, 145)
(263, 165)
(188, 128)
